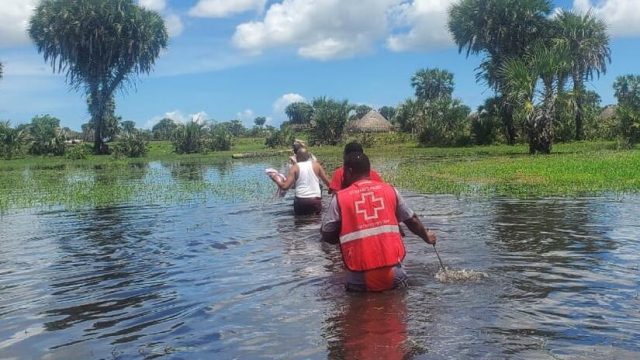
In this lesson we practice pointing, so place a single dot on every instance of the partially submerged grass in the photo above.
(585, 168)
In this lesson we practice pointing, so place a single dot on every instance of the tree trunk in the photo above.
(506, 114)
(97, 110)
(579, 94)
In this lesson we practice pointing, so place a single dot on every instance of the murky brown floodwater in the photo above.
(226, 278)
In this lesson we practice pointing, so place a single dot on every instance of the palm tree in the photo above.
(11, 140)
(99, 45)
(1, 70)
(587, 43)
(520, 77)
(299, 113)
(432, 84)
(500, 30)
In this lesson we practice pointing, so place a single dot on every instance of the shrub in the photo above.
(282, 137)
(78, 152)
(189, 138)
(220, 139)
(131, 145)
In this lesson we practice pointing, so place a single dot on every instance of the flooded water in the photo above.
(213, 275)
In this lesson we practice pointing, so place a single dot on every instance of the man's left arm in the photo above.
(331, 223)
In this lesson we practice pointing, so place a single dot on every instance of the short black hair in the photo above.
(353, 147)
(358, 163)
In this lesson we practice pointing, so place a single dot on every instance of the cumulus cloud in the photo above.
(427, 23)
(224, 8)
(178, 117)
(155, 5)
(174, 25)
(283, 101)
(621, 16)
(246, 117)
(318, 29)
(14, 20)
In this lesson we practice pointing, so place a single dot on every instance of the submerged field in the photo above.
(586, 168)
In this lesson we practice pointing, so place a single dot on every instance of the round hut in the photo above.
(372, 122)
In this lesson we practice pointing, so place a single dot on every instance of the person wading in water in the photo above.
(363, 218)
(305, 174)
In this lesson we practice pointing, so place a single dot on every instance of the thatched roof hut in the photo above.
(373, 121)
(608, 112)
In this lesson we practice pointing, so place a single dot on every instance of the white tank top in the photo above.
(307, 184)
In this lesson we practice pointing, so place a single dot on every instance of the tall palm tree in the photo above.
(500, 30)
(432, 84)
(520, 76)
(99, 45)
(587, 42)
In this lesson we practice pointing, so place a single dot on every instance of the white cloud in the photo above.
(224, 8)
(14, 20)
(318, 29)
(174, 25)
(246, 116)
(283, 101)
(178, 117)
(621, 16)
(427, 22)
(155, 5)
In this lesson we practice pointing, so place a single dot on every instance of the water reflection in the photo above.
(370, 326)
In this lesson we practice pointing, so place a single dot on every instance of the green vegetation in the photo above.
(97, 54)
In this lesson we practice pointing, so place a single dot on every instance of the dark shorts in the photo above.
(307, 206)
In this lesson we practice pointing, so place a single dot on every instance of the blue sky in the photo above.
(238, 59)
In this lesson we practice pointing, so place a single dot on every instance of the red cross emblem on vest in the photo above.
(369, 212)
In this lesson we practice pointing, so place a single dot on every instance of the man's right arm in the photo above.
(415, 225)
(409, 218)
(331, 223)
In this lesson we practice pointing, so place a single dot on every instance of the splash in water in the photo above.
(463, 275)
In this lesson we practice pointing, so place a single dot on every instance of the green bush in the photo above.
(78, 152)
(131, 145)
(189, 138)
(220, 139)
(278, 138)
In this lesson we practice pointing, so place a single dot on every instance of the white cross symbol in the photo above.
(361, 207)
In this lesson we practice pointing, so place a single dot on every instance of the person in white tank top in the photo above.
(306, 175)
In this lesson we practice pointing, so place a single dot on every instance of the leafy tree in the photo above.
(389, 112)
(485, 123)
(164, 129)
(446, 124)
(409, 116)
(100, 45)
(46, 136)
(299, 113)
(587, 43)
(11, 140)
(235, 127)
(432, 84)
(627, 91)
(259, 121)
(1, 71)
(330, 117)
(128, 126)
(499, 30)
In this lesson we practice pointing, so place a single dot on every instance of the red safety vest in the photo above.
(369, 235)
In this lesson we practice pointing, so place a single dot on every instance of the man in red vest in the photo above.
(363, 218)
